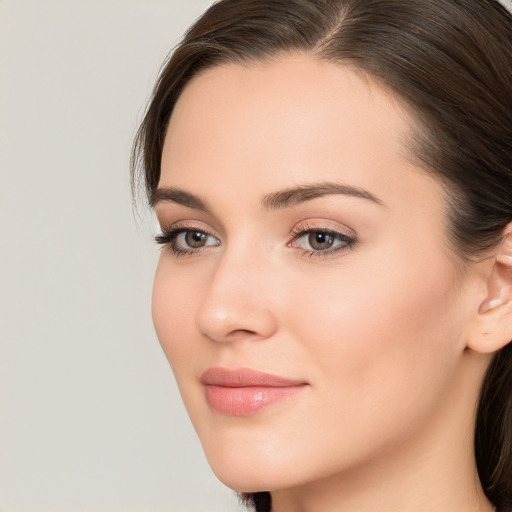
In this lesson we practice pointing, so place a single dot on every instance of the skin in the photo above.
(379, 330)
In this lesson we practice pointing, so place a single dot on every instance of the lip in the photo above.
(244, 392)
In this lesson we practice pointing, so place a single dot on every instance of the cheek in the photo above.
(173, 302)
(380, 343)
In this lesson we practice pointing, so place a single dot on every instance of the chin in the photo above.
(251, 467)
(242, 472)
(250, 483)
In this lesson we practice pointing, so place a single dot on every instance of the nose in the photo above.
(237, 303)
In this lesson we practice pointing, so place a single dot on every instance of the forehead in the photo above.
(264, 126)
(295, 111)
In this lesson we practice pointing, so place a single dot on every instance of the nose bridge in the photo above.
(237, 299)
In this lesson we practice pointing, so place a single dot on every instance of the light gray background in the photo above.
(90, 419)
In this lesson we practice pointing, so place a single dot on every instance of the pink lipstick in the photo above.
(243, 392)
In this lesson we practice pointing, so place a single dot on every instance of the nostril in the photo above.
(245, 333)
(240, 334)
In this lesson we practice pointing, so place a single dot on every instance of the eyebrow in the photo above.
(175, 195)
(297, 195)
(274, 201)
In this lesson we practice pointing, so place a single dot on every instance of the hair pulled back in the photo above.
(450, 62)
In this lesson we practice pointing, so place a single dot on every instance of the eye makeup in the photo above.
(313, 239)
(186, 240)
(318, 241)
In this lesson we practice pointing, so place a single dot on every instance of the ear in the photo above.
(493, 329)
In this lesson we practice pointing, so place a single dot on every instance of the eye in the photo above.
(186, 241)
(193, 239)
(320, 241)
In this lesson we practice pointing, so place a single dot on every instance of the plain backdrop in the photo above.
(90, 418)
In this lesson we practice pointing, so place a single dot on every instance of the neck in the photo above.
(433, 470)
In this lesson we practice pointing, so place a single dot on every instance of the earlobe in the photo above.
(494, 327)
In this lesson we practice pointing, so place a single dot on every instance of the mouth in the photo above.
(244, 392)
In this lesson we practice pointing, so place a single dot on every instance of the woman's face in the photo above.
(301, 242)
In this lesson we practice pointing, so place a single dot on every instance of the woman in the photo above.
(332, 179)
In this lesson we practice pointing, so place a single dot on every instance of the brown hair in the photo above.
(450, 61)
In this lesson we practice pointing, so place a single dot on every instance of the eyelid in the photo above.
(185, 224)
(342, 240)
(322, 226)
(169, 235)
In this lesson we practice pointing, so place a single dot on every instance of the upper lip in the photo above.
(245, 377)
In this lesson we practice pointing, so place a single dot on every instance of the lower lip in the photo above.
(245, 401)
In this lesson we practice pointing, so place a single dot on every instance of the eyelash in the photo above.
(168, 237)
(302, 230)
